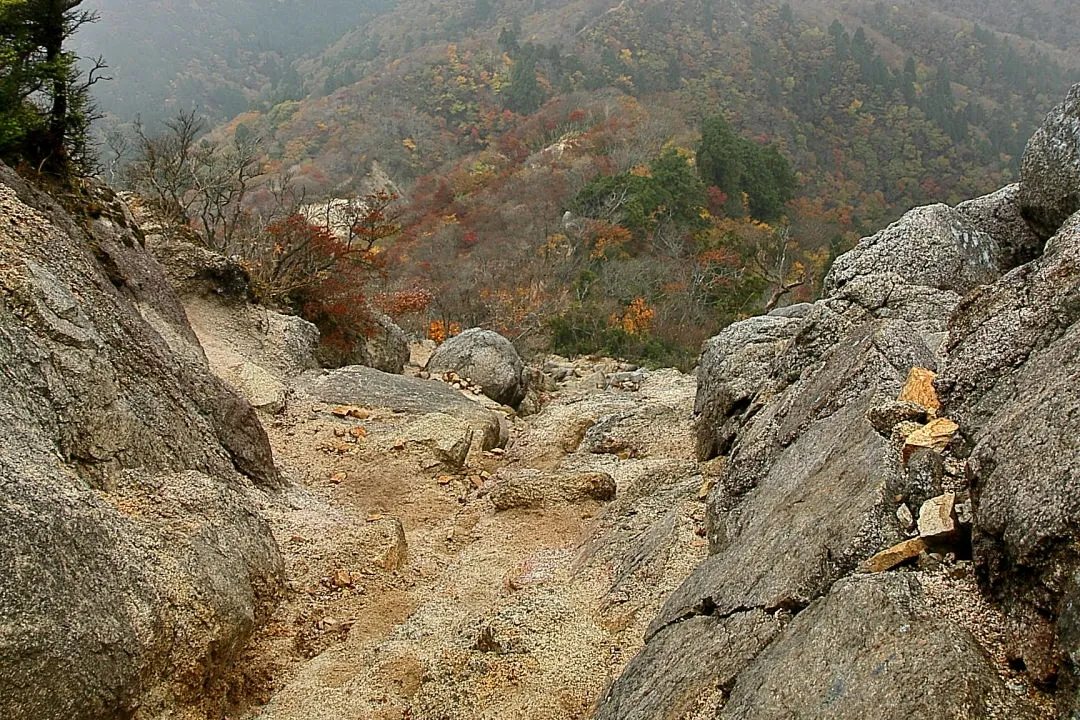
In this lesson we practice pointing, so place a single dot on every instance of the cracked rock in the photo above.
(937, 518)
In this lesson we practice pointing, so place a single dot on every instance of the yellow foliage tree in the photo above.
(440, 330)
(637, 318)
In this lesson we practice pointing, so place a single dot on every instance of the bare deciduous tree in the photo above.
(222, 176)
(189, 180)
(774, 261)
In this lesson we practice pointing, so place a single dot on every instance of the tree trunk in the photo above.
(52, 40)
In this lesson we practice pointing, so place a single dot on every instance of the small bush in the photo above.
(303, 266)
(580, 333)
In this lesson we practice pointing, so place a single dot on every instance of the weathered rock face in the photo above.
(999, 215)
(734, 367)
(831, 470)
(797, 506)
(291, 342)
(1011, 381)
(854, 653)
(254, 349)
(133, 562)
(697, 657)
(387, 349)
(932, 246)
(260, 388)
(1050, 172)
(190, 268)
(485, 358)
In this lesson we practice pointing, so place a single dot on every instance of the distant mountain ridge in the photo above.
(220, 56)
(213, 55)
(775, 71)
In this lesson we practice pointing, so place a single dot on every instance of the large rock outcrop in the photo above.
(1011, 382)
(797, 507)
(1014, 360)
(734, 367)
(254, 349)
(1050, 171)
(1000, 216)
(833, 441)
(133, 560)
(853, 653)
(930, 246)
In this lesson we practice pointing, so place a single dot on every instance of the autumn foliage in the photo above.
(324, 276)
(641, 183)
(441, 330)
(636, 319)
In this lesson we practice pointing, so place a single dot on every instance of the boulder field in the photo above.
(864, 506)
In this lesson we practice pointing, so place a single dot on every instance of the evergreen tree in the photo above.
(669, 192)
(45, 109)
(841, 40)
(524, 95)
(679, 189)
(787, 17)
(767, 180)
(738, 166)
(774, 89)
(861, 49)
(508, 40)
(942, 90)
(719, 159)
(907, 82)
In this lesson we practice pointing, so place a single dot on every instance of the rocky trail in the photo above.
(864, 506)
(448, 558)
(428, 576)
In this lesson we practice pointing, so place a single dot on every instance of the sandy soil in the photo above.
(409, 595)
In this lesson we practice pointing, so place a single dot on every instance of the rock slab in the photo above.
(134, 563)
(1050, 170)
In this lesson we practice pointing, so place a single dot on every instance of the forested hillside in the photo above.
(539, 144)
(216, 55)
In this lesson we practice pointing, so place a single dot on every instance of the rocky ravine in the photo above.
(413, 550)
(873, 516)
(448, 559)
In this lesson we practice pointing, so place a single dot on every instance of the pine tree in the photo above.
(719, 159)
(768, 181)
(787, 17)
(524, 95)
(736, 166)
(907, 83)
(45, 109)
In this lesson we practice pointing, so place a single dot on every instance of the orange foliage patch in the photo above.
(440, 330)
(636, 320)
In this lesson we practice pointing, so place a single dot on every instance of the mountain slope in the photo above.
(495, 117)
(213, 55)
